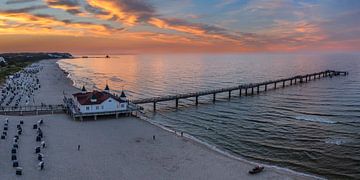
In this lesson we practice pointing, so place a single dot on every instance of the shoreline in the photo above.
(203, 156)
(225, 153)
(207, 145)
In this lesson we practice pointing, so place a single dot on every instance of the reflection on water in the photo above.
(312, 127)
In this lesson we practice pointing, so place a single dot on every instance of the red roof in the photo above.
(85, 98)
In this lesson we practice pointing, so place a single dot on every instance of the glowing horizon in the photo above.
(157, 26)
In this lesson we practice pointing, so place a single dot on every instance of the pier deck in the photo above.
(243, 89)
(247, 88)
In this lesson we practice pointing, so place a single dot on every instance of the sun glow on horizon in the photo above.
(122, 26)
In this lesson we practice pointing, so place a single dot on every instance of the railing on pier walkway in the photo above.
(20, 110)
(291, 81)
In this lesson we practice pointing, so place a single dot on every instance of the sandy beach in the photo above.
(113, 148)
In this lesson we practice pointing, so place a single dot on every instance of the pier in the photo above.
(32, 110)
(244, 89)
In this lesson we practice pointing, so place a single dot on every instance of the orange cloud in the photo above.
(115, 10)
(71, 6)
(24, 23)
(182, 28)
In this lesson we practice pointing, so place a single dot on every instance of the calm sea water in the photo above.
(313, 127)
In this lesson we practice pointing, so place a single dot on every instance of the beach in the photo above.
(121, 148)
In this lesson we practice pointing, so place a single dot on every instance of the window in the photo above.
(102, 107)
(109, 100)
(122, 105)
(87, 108)
(97, 107)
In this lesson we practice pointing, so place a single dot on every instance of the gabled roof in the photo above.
(85, 98)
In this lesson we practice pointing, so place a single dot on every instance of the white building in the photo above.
(99, 101)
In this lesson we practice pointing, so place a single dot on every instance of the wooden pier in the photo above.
(32, 110)
(244, 89)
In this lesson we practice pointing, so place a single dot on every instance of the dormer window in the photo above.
(93, 98)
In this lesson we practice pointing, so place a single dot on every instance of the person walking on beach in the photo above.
(78, 147)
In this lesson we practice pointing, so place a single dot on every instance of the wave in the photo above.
(315, 119)
(336, 140)
(223, 152)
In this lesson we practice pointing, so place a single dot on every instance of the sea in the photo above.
(312, 127)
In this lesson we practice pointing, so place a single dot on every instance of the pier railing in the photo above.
(262, 86)
(243, 89)
(20, 110)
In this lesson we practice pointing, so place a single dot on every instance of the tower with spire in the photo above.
(107, 89)
(123, 96)
(83, 90)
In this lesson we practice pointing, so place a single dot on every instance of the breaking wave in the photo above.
(315, 119)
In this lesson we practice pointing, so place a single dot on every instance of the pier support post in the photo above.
(229, 94)
(252, 90)
(177, 103)
(290, 82)
(258, 89)
(265, 87)
(301, 80)
(196, 100)
(154, 106)
(295, 80)
(214, 97)
(275, 85)
(240, 92)
(246, 91)
(283, 84)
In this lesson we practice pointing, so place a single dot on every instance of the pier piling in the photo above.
(293, 80)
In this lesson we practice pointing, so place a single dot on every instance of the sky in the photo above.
(177, 26)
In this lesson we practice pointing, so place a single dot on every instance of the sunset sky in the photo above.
(161, 26)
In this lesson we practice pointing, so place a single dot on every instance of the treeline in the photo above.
(15, 57)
